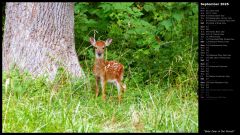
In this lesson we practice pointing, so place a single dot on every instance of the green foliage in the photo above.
(150, 38)
(3, 16)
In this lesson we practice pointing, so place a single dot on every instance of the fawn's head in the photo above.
(100, 46)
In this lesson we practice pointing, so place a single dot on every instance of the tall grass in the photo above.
(36, 105)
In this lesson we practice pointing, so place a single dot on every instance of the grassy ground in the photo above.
(63, 106)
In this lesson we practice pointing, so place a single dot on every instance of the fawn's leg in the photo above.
(97, 90)
(119, 88)
(103, 83)
(123, 87)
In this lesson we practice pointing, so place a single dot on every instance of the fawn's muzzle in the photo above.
(99, 54)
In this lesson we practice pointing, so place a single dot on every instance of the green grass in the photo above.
(65, 106)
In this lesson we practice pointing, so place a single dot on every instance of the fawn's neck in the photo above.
(99, 62)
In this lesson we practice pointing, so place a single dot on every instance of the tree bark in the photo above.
(39, 38)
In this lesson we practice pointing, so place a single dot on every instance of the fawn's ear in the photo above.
(92, 41)
(108, 41)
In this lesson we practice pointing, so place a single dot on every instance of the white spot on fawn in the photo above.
(108, 66)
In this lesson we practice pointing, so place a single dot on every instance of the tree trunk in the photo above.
(39, 38)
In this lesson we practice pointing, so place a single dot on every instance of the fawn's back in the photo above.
(110, 70)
